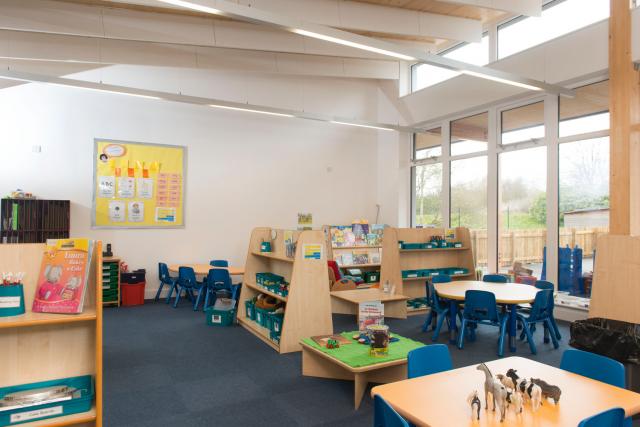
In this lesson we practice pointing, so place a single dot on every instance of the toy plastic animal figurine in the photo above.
(531, 392)
(497, 390)
(548, 390)
(474, 401)
(331, 343)
(511, 373)
(506, 381)
(515, 398)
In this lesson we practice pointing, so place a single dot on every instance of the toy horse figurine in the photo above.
(497, 390)
(548, 390)
(474, 401)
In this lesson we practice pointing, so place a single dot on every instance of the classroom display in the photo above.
(63, 277)
(138, 185)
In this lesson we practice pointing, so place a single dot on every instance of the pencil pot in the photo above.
(11, 300)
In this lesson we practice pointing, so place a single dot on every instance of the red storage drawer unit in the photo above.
(132, 287)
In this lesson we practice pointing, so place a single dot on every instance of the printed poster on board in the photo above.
(138, 185)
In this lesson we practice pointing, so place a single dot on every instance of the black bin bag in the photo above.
(612, 338)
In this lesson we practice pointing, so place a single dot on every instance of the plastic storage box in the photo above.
(82, 403)
(11, 300)
(219, 317)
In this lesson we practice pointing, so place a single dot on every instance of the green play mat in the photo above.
(356, 355)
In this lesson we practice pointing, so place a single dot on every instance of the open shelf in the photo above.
(415, 279)
(359, 266)
(434, 249)
(264, 291)
(67, 420)
(259, 331)
(35, 319)
(356, 247)
(271, 255)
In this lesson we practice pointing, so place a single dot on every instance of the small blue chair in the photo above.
(188, 283)
(610, 418)
(219, 263)
(480, 308)
(594, 366)
(165, 279)
(217, 279)
(494, 278)
(541, 312)
(438, 310)
(545, 285)
(428, 360)
(385, 416)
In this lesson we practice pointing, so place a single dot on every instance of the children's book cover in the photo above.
(64, 272)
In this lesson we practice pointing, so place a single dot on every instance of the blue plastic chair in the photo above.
(188, 283)
(545, 285)
(165, 279)
(610, 418)
(217, 279)
(438, 310)
(594, 366)
(428, 360)
(480, 308)
(541, 312)
(219, 263)
(494, 278)
(385, 416)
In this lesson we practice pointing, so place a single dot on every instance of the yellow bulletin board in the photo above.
(138, 185)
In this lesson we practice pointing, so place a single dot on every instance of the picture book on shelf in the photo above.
(64, 273)
(360, 257)
(337, 235)
(349, 237)
(374, 256)
(346, 259)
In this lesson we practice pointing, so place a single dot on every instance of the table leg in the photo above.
(453, 315)
(360, 386)
(512, 326)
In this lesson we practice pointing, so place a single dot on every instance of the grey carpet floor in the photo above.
(166, 367)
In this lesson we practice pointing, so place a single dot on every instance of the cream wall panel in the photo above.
(53, 46)
(245, 60)
(143, 53)
(291, 63)
(326, 12)
(362, 67)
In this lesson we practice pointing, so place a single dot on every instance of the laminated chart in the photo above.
(138, 185)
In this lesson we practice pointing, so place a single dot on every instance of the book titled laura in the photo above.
(64, 272)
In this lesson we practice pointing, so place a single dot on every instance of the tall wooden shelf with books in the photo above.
(40, 347)
(300, 258)
(357, 246)
(409, 267)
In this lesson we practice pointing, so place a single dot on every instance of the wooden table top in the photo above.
(203, 269)
(367, 368)
(441, 399)
(506, 293)
(357, 296)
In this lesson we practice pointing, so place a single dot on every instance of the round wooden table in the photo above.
(203, 269)
(510, 294)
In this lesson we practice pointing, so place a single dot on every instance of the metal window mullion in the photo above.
(446, 174)
(551, 118)
(492, 191)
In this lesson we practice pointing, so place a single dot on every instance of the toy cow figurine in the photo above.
(511, 373)
(474, 401)
(515, 398)
(506, 381)
(531, 392)
(548, 390)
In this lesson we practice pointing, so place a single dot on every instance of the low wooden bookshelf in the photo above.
(308, 306)
(42, 346)
(396, 260)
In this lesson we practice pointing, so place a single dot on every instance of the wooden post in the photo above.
(624, 106)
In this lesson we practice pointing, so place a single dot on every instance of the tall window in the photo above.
(583, 202)
(428, 194)
(470, 134)
(523, 123)
(522, 220)
(428, 144)
(469, 202)
(558, 17)
(425, 75)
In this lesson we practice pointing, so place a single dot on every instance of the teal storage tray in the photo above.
(219, 317)
(83, 403)
(11, 300)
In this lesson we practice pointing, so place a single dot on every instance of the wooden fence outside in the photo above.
(527, 246)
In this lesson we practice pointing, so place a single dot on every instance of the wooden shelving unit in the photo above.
(111, 281)
(335, 251)
(396, 260)
(33, 220)
(42, 346)
(308, 306)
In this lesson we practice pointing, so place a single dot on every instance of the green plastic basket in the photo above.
(219, 317)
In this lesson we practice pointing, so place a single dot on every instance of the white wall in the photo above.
(244, 170)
